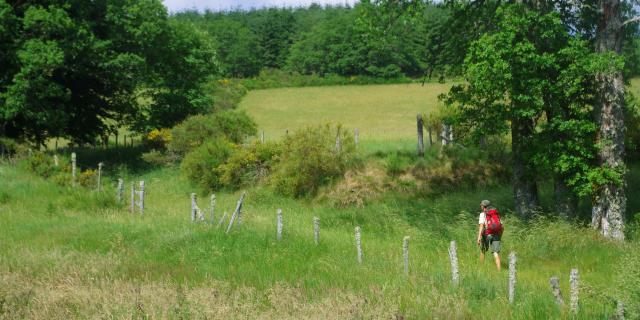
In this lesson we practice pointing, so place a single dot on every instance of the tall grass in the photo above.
(66, 252)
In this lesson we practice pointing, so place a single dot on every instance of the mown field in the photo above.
(76, 253)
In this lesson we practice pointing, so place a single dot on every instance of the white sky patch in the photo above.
(218, 5)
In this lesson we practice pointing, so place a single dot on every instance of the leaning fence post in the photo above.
(419, 122)
(194, 205)
(141, 197)
(316, 230)
(574, 279)
(120, 190)
(212, 210)
(358, 244)
(235, 213)
(133, 197)
(555, 289)
(453, 256)
(100, 176)
(73, 168)
(279, 224)
(512, 276)
(405, 254)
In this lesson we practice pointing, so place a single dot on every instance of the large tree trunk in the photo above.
(610, 201)
(525, 189)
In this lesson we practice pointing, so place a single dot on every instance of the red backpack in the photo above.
(492, 223)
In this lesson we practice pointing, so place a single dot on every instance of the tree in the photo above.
(530, 78)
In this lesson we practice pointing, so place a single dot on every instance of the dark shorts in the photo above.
(490, 241)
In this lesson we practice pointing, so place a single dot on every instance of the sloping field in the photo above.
(380, 112)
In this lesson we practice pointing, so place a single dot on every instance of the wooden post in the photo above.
(141, 203)
(405, 254)
(116, 134)
(120, 190)
(619, 310)
(262, 136)
(279, 224)
(555, 289)
(338, 143)
(73, 168)
(133, 197)
(56, 144)
(420, 136)
(131, 138)
(316, 230)
(55, 158)
(356, 136)
(235, 213)
(429, 129)
(574, 279)
(100, 176)
(453, 256)
(450, 129)
(358, 244)
(212, 210)
(512, 276)
(194, 205)
(445, 134)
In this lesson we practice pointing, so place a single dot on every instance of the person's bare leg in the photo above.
(497, 257)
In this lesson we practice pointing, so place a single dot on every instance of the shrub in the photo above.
(159, 158)
(309, 160)
(195, 130)
(41, 164)
(249, 165)
(201, 164)
(158, 138)
(227, 94)
(357, 188)
(88, 178)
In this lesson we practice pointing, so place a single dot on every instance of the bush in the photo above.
(158, 139)
(227, 94)
(159, 158)
(201, 164)
(249, 165)
(310, 160)
(195, 130)
(357, 188)
(41, 164)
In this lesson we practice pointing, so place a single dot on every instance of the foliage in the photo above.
(194, 131)
(201, 164)
(227, 93)
(41, 164)
(632, 124)
(159, 158)
(274, 78)
(249, 165)
(158, 138)
(359, 187)
(310, 160)
(79, 69)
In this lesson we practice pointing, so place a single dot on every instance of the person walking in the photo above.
(489, 231)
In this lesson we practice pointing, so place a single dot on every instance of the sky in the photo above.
(216, 5)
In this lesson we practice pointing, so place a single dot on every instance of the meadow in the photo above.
(76, 253)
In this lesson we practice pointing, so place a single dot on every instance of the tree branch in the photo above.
(632, 20)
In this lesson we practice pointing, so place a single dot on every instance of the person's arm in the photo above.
(480, 227)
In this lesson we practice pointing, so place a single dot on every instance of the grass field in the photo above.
(380, 112)
(72, 253)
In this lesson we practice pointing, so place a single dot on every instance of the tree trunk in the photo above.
(525, 189)
(610, 200)
(566, 202)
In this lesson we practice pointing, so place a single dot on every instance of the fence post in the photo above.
(235, 213)
(262, 136)
(512, 276)
(574, 279)
(279, 224)
(120, 190)
(405, 254)
(100, 176)
(316, 230)
(555, 289)
(194, 205)
(55, 158)
(358, 244)
(420, 136)
(212, 210)
(620, 310)
(73, 169)
(141, 197)
(133, 197)
(338, 142)
(429, 129)
(453, 256)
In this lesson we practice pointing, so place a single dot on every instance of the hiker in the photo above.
(489, 231)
